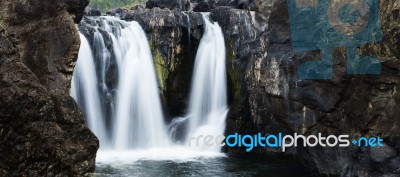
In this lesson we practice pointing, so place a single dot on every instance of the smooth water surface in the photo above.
(209, 167)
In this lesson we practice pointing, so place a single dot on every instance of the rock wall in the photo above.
(42, 131)
(274, 100)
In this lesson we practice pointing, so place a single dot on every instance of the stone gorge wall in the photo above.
(359, 105)
(274, 100)
(265, 94)
(42, 130)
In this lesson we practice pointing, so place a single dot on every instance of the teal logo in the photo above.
(326, 24)
(249, 142)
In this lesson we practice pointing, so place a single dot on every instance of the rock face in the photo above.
(272, 98)
(119, 12)
(169, 4)
(76, 8)
(42, 131)
(92, 12)
(265, 92)
(207, 5)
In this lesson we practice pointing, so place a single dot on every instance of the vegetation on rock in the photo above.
(104, 5)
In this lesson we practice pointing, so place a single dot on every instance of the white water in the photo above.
(208, 101)
(138, 121)
(138, 129)
(84, 80)
(189, 24)
(103, 55)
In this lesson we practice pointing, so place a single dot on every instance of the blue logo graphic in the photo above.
(368, 142)
(326, 24)
(249, 142)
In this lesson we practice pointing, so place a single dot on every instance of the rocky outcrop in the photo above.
(76, 8)
(207, 5)
(118, 12)
(272, 98)
(92, 11)
(42, 131)
(169, 4)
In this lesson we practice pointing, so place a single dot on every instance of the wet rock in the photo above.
(272, 98)
(118, 12)
(76, 8)
(42, 131)
(137, 7)
(169, 4)
(92, 12)
(253, 5)
(379, 154)
(202, 6)
(394, 165)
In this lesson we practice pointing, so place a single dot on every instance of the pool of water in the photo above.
(211, 166)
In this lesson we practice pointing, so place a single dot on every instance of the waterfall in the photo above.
(208, 100)
(189, 24)
(119, 48)
(84, 91)
(115, 84)
(139, 118)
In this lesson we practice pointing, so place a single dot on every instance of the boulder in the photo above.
(76, 8)
(202, 6)
(118, 12)
(42, 130)
(183, 5)
(92, 12)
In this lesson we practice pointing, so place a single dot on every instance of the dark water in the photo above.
(208, 167)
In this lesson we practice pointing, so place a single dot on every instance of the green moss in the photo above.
(233, 69)
(104, 5)
(160, 66)
(2, 25)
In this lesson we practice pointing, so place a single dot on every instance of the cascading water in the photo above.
(116, 86)
(114, 82)
(188, 23)
(137, 119)
(84, 90)
(208, 101)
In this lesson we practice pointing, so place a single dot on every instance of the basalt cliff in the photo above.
(42, 130)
